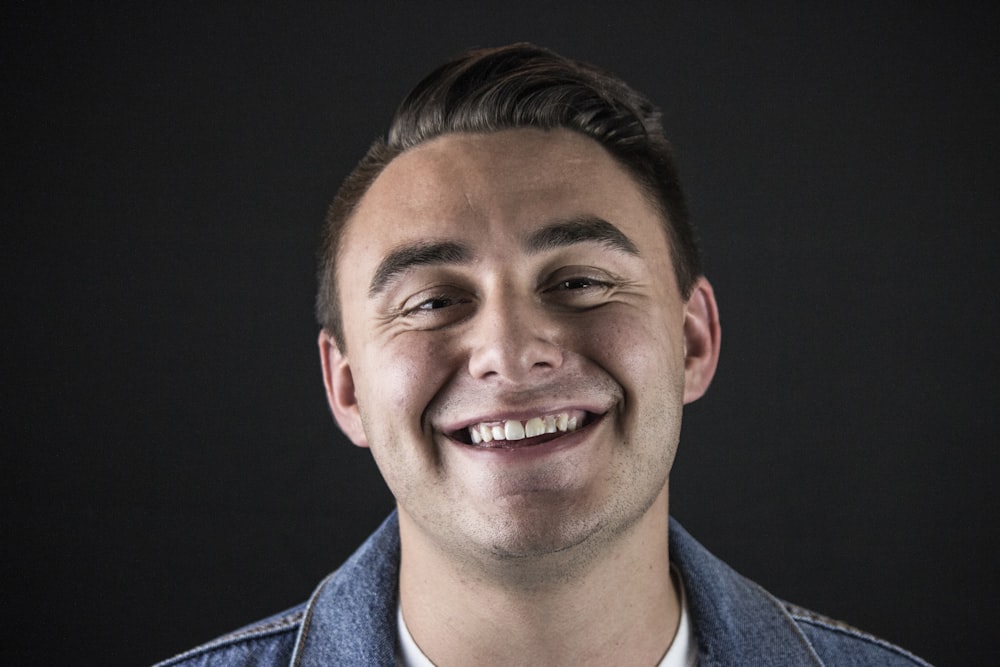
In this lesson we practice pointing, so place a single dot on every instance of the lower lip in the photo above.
(529, 451)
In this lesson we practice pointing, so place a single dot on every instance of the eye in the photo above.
(435, 303)
(579, 279)
(580, 283)
(579, 287)
(436, 308)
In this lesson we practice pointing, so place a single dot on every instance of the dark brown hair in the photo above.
(520, 86)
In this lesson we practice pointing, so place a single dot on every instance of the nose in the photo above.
(514, 339)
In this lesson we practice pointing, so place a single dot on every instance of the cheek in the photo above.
(634, 345)
(402, 377)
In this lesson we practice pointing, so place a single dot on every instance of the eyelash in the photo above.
(582, 285)
(590, 282)
(425, 305)
(434, 302)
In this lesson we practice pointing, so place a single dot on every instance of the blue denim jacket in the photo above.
(351, 619)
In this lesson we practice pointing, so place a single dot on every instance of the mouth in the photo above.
(517, 433)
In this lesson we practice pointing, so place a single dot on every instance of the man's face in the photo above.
(494, 286)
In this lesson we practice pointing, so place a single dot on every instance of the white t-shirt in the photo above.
(682, 651)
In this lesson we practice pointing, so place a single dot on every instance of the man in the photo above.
(513, 315)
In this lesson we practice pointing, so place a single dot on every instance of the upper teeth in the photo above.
(512, 429)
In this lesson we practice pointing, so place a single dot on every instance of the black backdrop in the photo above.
(171, 468)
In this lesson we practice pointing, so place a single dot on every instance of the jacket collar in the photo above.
(734, 619)
(351, 617)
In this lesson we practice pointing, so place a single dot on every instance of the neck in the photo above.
(615, 605)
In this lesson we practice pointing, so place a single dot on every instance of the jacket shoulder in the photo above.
(838, 643)
(267, 642)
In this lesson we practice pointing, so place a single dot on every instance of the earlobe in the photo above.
(340, 392)
(702, 340)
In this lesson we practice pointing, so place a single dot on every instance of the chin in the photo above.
(545, 531)
(565, 531)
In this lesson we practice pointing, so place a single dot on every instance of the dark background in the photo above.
(171, 469)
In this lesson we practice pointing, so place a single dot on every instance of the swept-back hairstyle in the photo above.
(520, 86)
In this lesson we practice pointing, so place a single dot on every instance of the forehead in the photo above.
(494, 185)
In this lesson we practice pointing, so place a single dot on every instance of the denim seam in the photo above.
(818, 620)
(275, 627)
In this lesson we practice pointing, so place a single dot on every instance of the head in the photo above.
(513, 312)
(521, 86)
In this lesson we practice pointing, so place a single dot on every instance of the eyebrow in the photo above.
(580, 230)
(559, 234)
(402, 259)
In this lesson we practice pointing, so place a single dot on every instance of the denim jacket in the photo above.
(351, 619)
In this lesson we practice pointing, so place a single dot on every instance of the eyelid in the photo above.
(414, 303)
(590, 273)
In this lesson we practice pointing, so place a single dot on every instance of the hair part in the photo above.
(510, 87)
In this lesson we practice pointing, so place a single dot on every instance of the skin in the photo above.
(557, 548)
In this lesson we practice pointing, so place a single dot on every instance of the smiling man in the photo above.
(513, 316)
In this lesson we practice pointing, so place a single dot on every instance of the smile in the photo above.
(501, 434)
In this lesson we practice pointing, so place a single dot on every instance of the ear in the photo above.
(702, 340)
(339, 382)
